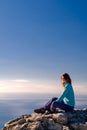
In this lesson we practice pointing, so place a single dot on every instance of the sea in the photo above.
(13, 105)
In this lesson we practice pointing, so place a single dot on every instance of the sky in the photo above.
(40, 40)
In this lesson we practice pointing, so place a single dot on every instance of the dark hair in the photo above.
(67, 77)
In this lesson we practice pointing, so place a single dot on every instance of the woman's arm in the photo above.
(66, 90)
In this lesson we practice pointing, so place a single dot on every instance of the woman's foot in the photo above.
(40, 110)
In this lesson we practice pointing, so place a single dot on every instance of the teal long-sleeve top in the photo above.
(68, 95)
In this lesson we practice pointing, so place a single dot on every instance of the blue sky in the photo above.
(40, 39)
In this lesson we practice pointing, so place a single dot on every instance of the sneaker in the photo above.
(41, 110)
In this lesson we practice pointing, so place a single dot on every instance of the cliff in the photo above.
(75, 120)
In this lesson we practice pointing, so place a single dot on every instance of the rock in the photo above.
(78, 126)
(21, 121)
(13, 122)
(60, 118)
(17, 127)
(53, 126)
(66, 128)
(77, 116)
(85, 109)
(74, 120)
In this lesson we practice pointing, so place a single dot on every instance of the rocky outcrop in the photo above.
(75, 120)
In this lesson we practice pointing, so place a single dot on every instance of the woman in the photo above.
(65, 102)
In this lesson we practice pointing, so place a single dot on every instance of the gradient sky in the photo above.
(39, 40)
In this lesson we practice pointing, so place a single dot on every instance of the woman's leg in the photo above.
(60, 105)
(48, 104)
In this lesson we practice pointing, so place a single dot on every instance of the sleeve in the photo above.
(66, 90)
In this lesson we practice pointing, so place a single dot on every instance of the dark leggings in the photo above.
(53, 104)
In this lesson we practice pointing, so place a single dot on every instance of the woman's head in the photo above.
(65, 78)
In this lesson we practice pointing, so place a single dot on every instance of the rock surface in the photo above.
(75, 120)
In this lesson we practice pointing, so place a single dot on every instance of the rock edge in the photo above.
(75, 120)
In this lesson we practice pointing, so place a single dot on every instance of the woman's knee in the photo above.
(56, 104)
(53, 106)
(54, 98)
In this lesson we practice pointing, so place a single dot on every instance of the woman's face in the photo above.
(63, 80)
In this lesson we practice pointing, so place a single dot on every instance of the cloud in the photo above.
(36, 86)
(80, 88)
(22, 85)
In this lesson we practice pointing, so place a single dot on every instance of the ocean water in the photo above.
(13, 105)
